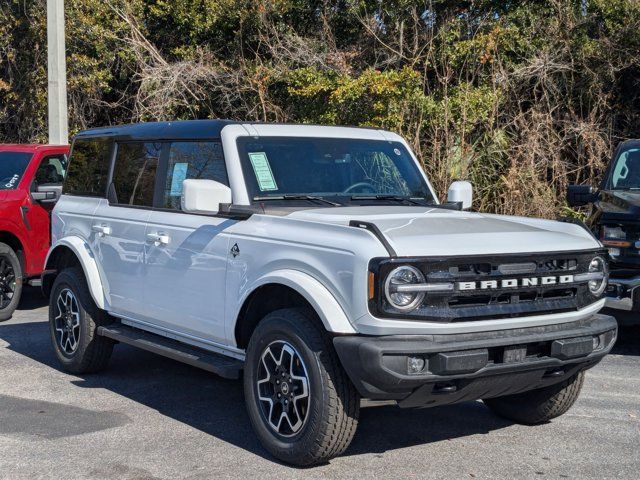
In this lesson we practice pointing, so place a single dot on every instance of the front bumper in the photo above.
(623, 292)
(469, 366)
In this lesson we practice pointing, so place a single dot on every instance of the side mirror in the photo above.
(579, 195)
(47, 193)
(204, 196)
(462, 192)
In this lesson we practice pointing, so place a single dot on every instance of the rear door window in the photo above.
(134, 174)
(88, 167)
(186, 160)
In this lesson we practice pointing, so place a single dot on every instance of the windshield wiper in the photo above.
(312, 198)
(397, 198)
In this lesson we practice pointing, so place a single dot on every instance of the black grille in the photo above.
(468, 305)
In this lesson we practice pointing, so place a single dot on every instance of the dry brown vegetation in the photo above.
(521, 98)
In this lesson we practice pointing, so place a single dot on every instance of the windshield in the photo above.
(625, 174)
(12, 166)
(339, 168)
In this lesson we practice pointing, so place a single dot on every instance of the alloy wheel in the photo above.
(67, 322)
(283, 388)
(7, 283)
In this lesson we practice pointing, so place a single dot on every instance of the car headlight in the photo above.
(614, 238)
(613, 233)
(598, 284)
(399, 277)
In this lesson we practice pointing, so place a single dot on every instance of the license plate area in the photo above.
(514, 354)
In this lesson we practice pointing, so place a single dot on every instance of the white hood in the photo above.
(424, 231)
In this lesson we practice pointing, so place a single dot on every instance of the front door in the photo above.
(37, 215)
(119, 224)
(186, 254)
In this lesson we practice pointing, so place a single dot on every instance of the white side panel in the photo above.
(89, 266)
(72, 217)
(185, 277)
(71, 227)
(120, 253)
(330, 312)
(327, 264)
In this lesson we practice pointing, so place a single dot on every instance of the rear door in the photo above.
(186, 254)
(119, 226)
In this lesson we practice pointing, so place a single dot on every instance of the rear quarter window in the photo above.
(134, 174)
(88, 167)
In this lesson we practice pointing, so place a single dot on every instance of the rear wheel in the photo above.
(541, 405)
(10, 281)
(301, 403)
(73, 320)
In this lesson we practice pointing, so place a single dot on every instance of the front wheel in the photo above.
(10, 281)
(541, 405)
(74, 319)
(303, 407)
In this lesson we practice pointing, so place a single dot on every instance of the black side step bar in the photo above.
(221, 365)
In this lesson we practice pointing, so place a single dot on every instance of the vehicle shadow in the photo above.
(628, 342)
(32, 298)
(216, 407)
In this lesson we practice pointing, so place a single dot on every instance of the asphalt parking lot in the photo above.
(149, 418)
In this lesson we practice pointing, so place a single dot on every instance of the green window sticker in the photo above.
(263, 172)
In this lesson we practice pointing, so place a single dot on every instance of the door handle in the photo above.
(101, 230)
(158, 239)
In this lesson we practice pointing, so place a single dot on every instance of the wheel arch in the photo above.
(287, 289)
(17, 245)
(72, 251)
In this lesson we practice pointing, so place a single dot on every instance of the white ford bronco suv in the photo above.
(317, 263)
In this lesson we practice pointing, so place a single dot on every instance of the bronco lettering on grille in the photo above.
(516, 282)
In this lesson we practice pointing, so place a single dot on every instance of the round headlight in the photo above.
(403, 276)
(597, 286)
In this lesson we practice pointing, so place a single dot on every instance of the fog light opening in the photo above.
(599, 342)
(415, 365)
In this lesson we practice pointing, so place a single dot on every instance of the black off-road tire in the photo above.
(11, 260)
(538, 406)
(93, 351)
(334, 403)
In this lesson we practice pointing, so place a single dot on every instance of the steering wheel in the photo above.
(365, 185)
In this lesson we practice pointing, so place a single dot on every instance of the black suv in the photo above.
(615, 220)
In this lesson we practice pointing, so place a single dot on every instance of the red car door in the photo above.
(50, 169)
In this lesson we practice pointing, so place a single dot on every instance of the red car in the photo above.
(30, 183)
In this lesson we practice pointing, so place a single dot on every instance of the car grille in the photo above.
(477, 304)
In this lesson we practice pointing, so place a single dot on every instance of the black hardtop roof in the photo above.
(632, 142)
(175, 130)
